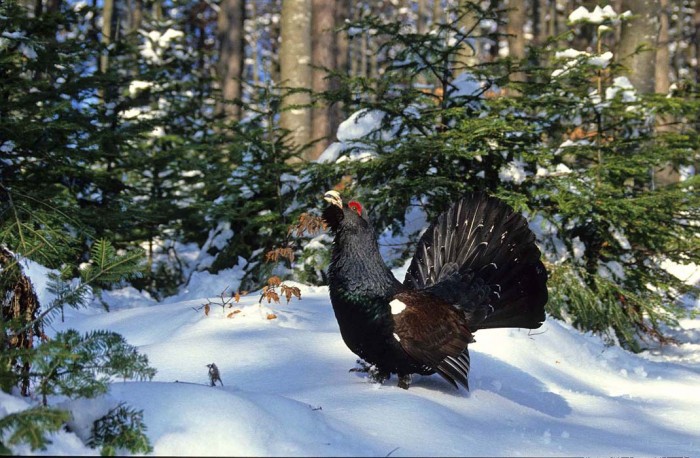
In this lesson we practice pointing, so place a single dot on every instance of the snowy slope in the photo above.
(287, 389)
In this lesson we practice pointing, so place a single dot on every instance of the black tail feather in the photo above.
(456, 370)
(481, 256)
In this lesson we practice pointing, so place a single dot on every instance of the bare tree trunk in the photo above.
(514, 28)
(539, 19)
(254, 55)
(663, 59)
(136, 15)
(516, 34)
(364, 46)
(231, 55)
(437, 12)
(107, 14)
(355, 44)
(273, 62)
(343, 12)
(495, 45)
(641, 31)
(157, 10)
(666, 174)
(696, 20)
(422, 16)
(295, 69)
(324, 54)
(468, 22)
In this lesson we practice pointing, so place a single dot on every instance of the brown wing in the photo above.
(433, 333)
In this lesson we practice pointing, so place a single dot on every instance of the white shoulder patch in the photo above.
(397, 306)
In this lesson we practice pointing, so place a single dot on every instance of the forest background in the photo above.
(134, 133)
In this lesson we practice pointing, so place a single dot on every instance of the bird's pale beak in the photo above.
(333, 197)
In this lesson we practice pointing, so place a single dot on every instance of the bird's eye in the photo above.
(355, 206)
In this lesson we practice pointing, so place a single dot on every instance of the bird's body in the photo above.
(476, 267)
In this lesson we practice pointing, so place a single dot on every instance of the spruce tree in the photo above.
(54, 186)
(571, 144)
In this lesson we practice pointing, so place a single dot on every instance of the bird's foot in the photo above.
(361, 367)
(405, 381)
(373, 373)
(377, 376)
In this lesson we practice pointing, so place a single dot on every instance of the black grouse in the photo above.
(476, 267)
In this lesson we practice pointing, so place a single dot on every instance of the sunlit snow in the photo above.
(287, 389)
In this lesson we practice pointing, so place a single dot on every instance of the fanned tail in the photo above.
(481, 256)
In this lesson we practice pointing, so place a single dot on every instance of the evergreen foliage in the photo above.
(58, 198)
(125, 153)
(69, 364)
(574, 147)
(30, 427)
(98, 162)
(256, 197)
(121, 429)
(82, 366)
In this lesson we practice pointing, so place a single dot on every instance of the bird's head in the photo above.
(338, 215)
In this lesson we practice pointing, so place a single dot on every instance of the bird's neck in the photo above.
(358, 270)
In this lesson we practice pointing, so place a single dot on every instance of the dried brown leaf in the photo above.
(271, 316)
(274, 281)
(309, 224)
(277, 253)
(206, 309)
(286, 292)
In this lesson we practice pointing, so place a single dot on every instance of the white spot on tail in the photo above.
(397, 306)
(396, 336)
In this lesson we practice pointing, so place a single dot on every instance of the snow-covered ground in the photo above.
(287, 389)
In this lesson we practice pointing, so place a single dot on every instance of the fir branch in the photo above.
(31, 426)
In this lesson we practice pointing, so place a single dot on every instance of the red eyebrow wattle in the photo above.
(355, 206)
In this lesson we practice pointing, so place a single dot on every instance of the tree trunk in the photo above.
(157, 10)
(273, 61)
(667, 174)
(516, 34)
(421, 16)
(231, 55)
(343, 12)
(254, 55)
(107, 14)
(662, 59)
(468, 22)
(324, 53)
(136, 16)
(514, 28)
(437, 16)
(539, 21)
(696, 20)
(641, 31)
(364, 47)
(295, 69)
